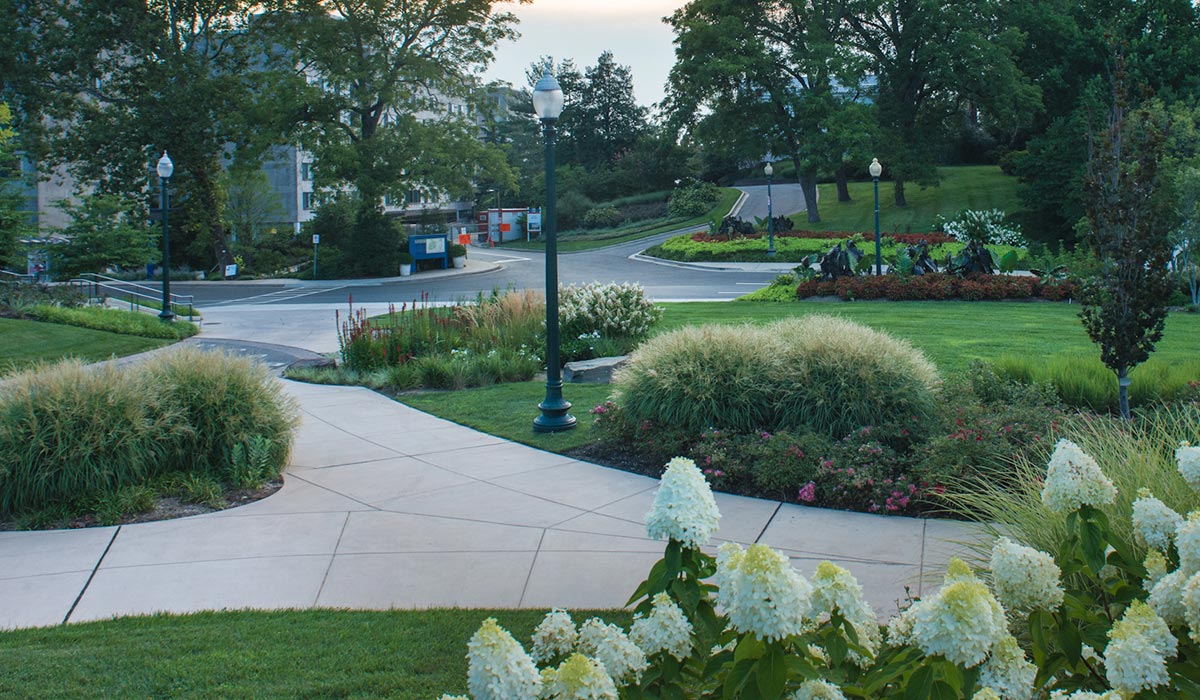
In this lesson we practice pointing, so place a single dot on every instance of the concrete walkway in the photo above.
(385, 506)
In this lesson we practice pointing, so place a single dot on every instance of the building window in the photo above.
(306, 201)
(306, 172)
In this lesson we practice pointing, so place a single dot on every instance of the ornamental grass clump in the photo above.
(71, 432)
(817, 373)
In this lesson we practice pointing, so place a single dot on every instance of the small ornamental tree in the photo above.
(1125, 303)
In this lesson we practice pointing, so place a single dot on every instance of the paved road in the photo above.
(520, 269)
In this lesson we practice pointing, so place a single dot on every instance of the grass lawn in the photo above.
(962, 187)
(575, 242)
(508, 410)
(23, 343)
(410, 655)
(952, 334)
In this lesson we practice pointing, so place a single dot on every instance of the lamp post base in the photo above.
(554, 418)
(166, 316)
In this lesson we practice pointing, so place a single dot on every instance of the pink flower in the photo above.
(808, 494)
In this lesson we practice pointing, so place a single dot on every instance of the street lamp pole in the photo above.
(877, 170)
(770, 214)
(165, 169)
(548, 104)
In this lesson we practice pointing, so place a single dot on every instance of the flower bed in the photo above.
(794, 248)
(745, 624)
(939, 287)
(932, 237)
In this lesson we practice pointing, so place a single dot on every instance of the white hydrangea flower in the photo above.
(1093, 657)
(1190, 599)
(1008, 671)
(554, 636)
(1154, 523)
(684, 509)
(1073, 479)
(1187, 459)
(986, 694)
(818, 690)
(498, 667)
(818, 653)
(962, 621)
(665, 629)
(1156, 568)
(835, 587)
(1139, 645)
(1085, 695)
(899, 628)
(1187, 543)
(606, 643)
(454, 697)
(761, 592)
(1025, 578)
(579, 678)
(1166, 597)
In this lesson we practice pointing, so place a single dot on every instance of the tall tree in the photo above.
(385, 83)
(607, 120)
(934, 60)
(14, 220)
(106, 87)
(1125, 304)
(1067, 55)
(773, 73)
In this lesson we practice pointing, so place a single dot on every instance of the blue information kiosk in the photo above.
(430, 246)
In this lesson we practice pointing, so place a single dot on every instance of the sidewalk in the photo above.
(385, 506)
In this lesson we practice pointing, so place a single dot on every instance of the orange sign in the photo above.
(505, 228)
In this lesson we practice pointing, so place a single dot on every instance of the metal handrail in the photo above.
(21, 277)
(97, 282)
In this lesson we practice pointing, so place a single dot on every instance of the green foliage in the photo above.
(601, 217)
(14, 220)
(606, 120)
(115, 321)
(112, 508)
(375, 244)
(227, 401)
(693, 199)
(791, 249)
(106, 232)
(69, 432)
(1082, 381)
(202, 489)
(251, 463)
(1125, 305)
(818, 373)
(26, 343)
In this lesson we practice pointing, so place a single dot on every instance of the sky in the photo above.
(581, 29)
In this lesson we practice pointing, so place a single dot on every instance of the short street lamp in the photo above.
(877, 170)
(165, 169)
(770, 214)
(548, 104)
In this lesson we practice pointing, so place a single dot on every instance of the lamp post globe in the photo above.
(770, 171)
(554, 417)
(165, 169)
(876, 170)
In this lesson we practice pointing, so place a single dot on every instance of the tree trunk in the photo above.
(1123, 392)
(898, 188)
(808, 187)
(843, 188)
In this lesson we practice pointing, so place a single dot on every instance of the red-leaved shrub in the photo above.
(938, 287)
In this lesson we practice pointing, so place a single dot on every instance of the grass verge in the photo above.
(962, 187)
(508, 410)
(575, 242)
(25, 343)
(408, 655)
(115, 321)
(951, 334)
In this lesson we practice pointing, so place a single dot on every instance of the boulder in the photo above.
(597, 371)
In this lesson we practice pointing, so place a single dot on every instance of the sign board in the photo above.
(231, 270)
(505, 228)
(435, 245)
(316, 238)
(533, 221)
